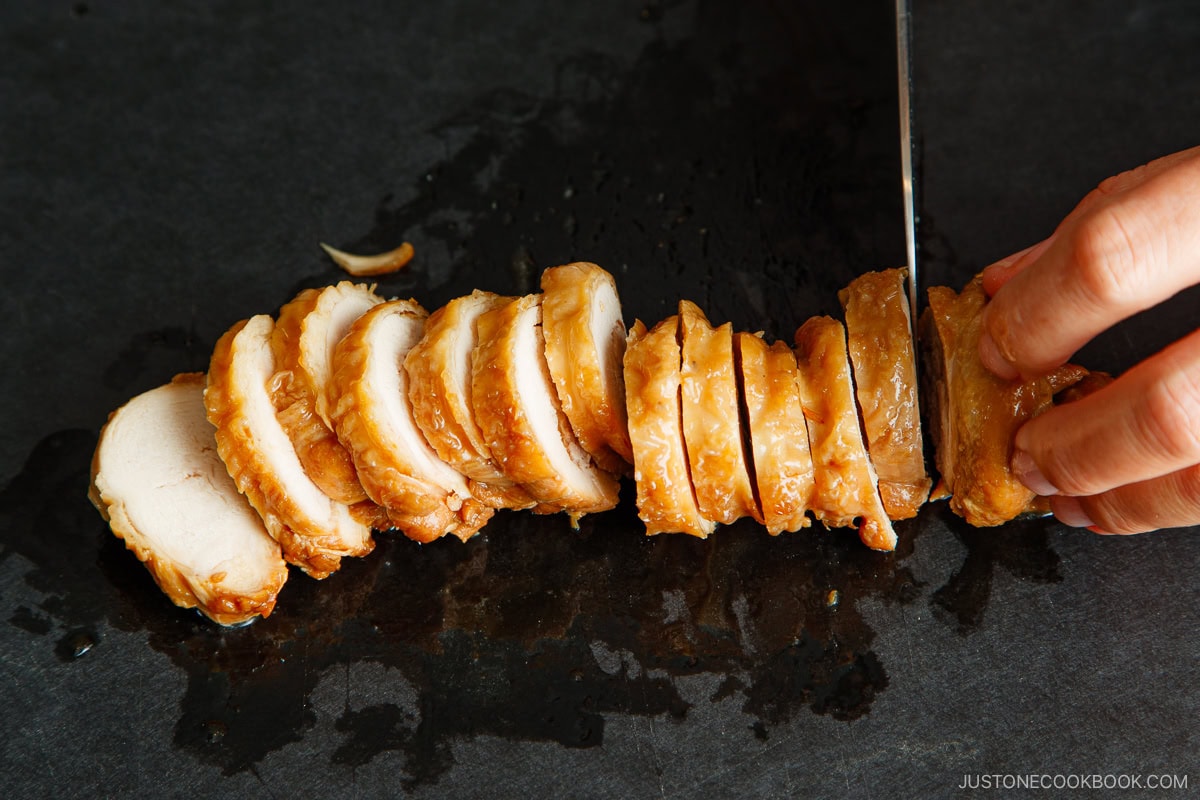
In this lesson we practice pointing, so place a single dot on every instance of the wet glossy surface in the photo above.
(171, 171)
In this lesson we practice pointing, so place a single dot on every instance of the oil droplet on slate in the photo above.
(75, 644)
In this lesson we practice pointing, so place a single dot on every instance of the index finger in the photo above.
(1131, 245)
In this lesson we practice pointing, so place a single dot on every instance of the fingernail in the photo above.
(1070, 512)
(1027, 472)
(990, 355)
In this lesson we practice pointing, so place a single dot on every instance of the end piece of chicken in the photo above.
(439, 390)
(317, 446)
(846, 483)
(880, 341)
(424, 497)
(157, 479)
(782, 463)
(666, 502)
(712, 429)
(517, 409)
(585, 345)
(314, 531)
(973, 414)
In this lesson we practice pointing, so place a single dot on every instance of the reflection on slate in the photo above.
(531, 632)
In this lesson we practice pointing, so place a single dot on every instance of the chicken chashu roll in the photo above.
(973, 414)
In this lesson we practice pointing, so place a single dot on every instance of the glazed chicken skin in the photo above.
(846, 483)
(665, 500)
(585, 345)
(314, 530)
(157, 479)
(423, 496)
(439, 390)
(778, 434)
(516, 406)
(879, 334)
(325, 461)
(973, 414)
(712, 426)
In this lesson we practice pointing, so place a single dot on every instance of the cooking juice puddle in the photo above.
(532, 631)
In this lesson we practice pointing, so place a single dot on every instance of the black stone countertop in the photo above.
(166, 171)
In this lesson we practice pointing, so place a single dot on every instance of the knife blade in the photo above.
(904, 71)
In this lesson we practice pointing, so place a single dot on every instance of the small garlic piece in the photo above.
(361, 266)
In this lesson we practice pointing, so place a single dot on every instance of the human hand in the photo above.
(1125, 459)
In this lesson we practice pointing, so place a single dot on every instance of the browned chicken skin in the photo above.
(712, 428)
(665, 499)
(317, 446)
(517, 409)
(783, 466)
(585, 344)
(439, 389)
(880, 341)
(314, 531)
(846, 485)
(423, 496)
(157, 479)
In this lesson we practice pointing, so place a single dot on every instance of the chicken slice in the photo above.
(665, 500)
(317, 446)
(782, 463)
(439, 389)
(973, 414)
(845, 481)
(585, 343)
(314, 531)
(517, 409)
(712, 430)
(879, 333)
(157, 479)
(333, 312)
(424, 497)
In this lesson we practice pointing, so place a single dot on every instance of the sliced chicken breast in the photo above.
(439, 390)
(518, 413)
(712, 429)
(157, 479)
(880, 341)
(781, 461)
(585, 345)
(314, 531)
(333, 312)
(424, 497)
(324, 459)
(666, 502)
(846, 483)
(974, 415)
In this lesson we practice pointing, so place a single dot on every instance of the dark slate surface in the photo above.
(167, 171)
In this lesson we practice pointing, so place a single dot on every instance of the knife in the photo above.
(904, 70)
